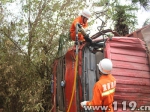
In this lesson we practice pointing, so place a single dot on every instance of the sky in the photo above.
(142, 15)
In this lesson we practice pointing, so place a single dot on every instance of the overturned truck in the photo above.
(74, 75)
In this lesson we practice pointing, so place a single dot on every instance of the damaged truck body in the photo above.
(74, 75)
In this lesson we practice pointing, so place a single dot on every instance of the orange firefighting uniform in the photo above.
(103, 93)
(73, 28)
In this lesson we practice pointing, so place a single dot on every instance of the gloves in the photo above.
(87, 39)
(79, 25)
(83, 103)
(79, 28)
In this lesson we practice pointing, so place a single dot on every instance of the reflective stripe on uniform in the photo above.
(108, 92)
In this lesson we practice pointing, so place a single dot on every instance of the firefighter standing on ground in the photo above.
(82, 20)
(104, 89)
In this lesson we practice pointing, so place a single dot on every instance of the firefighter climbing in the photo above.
(82, 22)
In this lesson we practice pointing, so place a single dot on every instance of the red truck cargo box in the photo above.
(143, 34)
(138, 33)
(131, 70)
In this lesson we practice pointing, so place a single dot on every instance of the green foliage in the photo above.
(64, 44)
(21, 84)
(124, 17)
(144, 3)
(28, 45)
(119, 17)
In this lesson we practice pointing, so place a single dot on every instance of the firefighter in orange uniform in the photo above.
(103, 91)
(82, 20)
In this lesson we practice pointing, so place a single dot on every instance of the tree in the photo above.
(144, 3)
(29, 44)
(122, 17)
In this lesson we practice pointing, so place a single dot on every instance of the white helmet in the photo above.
(105, 66)
(86, 13)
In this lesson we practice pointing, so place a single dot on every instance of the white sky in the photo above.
(142, 16)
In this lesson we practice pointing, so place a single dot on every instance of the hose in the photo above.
(76, 66)
(74, 84)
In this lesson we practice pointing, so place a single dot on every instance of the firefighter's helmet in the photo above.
(105, 66)
(86, 13)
